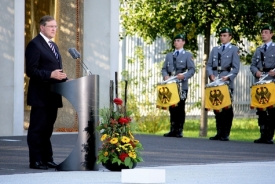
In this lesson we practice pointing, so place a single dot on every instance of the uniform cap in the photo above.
(266, 27)
(180, 36)
(225, 30)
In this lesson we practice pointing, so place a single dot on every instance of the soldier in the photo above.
(263, 62)
(178, 62)
(224, 60)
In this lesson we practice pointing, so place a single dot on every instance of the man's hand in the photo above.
(224, 78)
(58, 75)
(258, 74)
(166, 77)
(271, 73)
(212, 77)
(180, 76)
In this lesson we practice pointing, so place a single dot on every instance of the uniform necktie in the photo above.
(265, 46)
(177, 53)
(223, 47)
(53, 49)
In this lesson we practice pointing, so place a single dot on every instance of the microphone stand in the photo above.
(84, 66)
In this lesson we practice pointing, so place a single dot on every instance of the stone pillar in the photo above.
(101, 42)
(12, 67)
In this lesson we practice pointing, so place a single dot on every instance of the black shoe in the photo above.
(260, 140)
(264, 141)
(38, 165)
(178, 135)
(51, 164)
(226, 138)
(216, 137)
(269, 142)
(169, 134)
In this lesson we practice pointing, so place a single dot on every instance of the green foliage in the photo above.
(151, 19)
(118, 144)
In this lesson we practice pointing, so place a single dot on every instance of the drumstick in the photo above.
(218, 80)
(264, 77)
(171, 78)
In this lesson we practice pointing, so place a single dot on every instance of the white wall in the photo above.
(12, 67)
(101, 42)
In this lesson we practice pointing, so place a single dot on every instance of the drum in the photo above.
(167, 95)
(262, 95)
(217, 97)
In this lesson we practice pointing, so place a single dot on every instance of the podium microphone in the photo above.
(76, 55)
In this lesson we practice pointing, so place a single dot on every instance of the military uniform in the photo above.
(173, 65)
(263, 60)
(221, 63)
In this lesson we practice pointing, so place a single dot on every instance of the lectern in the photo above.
(83, 94)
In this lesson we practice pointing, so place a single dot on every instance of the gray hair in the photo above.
(45, 19)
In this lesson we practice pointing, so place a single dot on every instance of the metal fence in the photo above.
(153, 58)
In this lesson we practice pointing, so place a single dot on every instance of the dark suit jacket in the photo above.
(40, 62)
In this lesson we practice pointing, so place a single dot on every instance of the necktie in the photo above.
(53, 49)
(177, 53)
(265, 46)
(223, 47)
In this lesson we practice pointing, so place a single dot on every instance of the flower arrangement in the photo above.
(118, 144)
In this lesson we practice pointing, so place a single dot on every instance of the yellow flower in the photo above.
(118, 149)
(114, 140)
(106, 153)
(125, 139)
(132, 154)
(136, 141)
(103, 137)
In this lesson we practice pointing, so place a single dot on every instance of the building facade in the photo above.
(90, 26)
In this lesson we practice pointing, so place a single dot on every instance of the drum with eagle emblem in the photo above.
(167, 95)
(263, 95)
(217, 97)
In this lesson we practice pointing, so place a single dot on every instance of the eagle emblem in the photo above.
(262, 95)
(216, 97)
(164, 95)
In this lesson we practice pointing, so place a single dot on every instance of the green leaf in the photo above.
(127, 161)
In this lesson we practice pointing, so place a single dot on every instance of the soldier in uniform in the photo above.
(175, 64)
(224, 60)
(263, 62)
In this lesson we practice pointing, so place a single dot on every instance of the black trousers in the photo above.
(224, 121)
(266, 122)
(42, 121)
(177, 117)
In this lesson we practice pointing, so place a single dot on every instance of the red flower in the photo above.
(129, 119)
(123, 121)
(122, 156)
(118, 101)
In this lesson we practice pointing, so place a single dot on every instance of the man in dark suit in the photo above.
(176, 63)
(44, 67)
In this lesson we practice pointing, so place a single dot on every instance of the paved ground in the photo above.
(185, 160)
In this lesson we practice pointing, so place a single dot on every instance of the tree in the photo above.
(165, 18)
